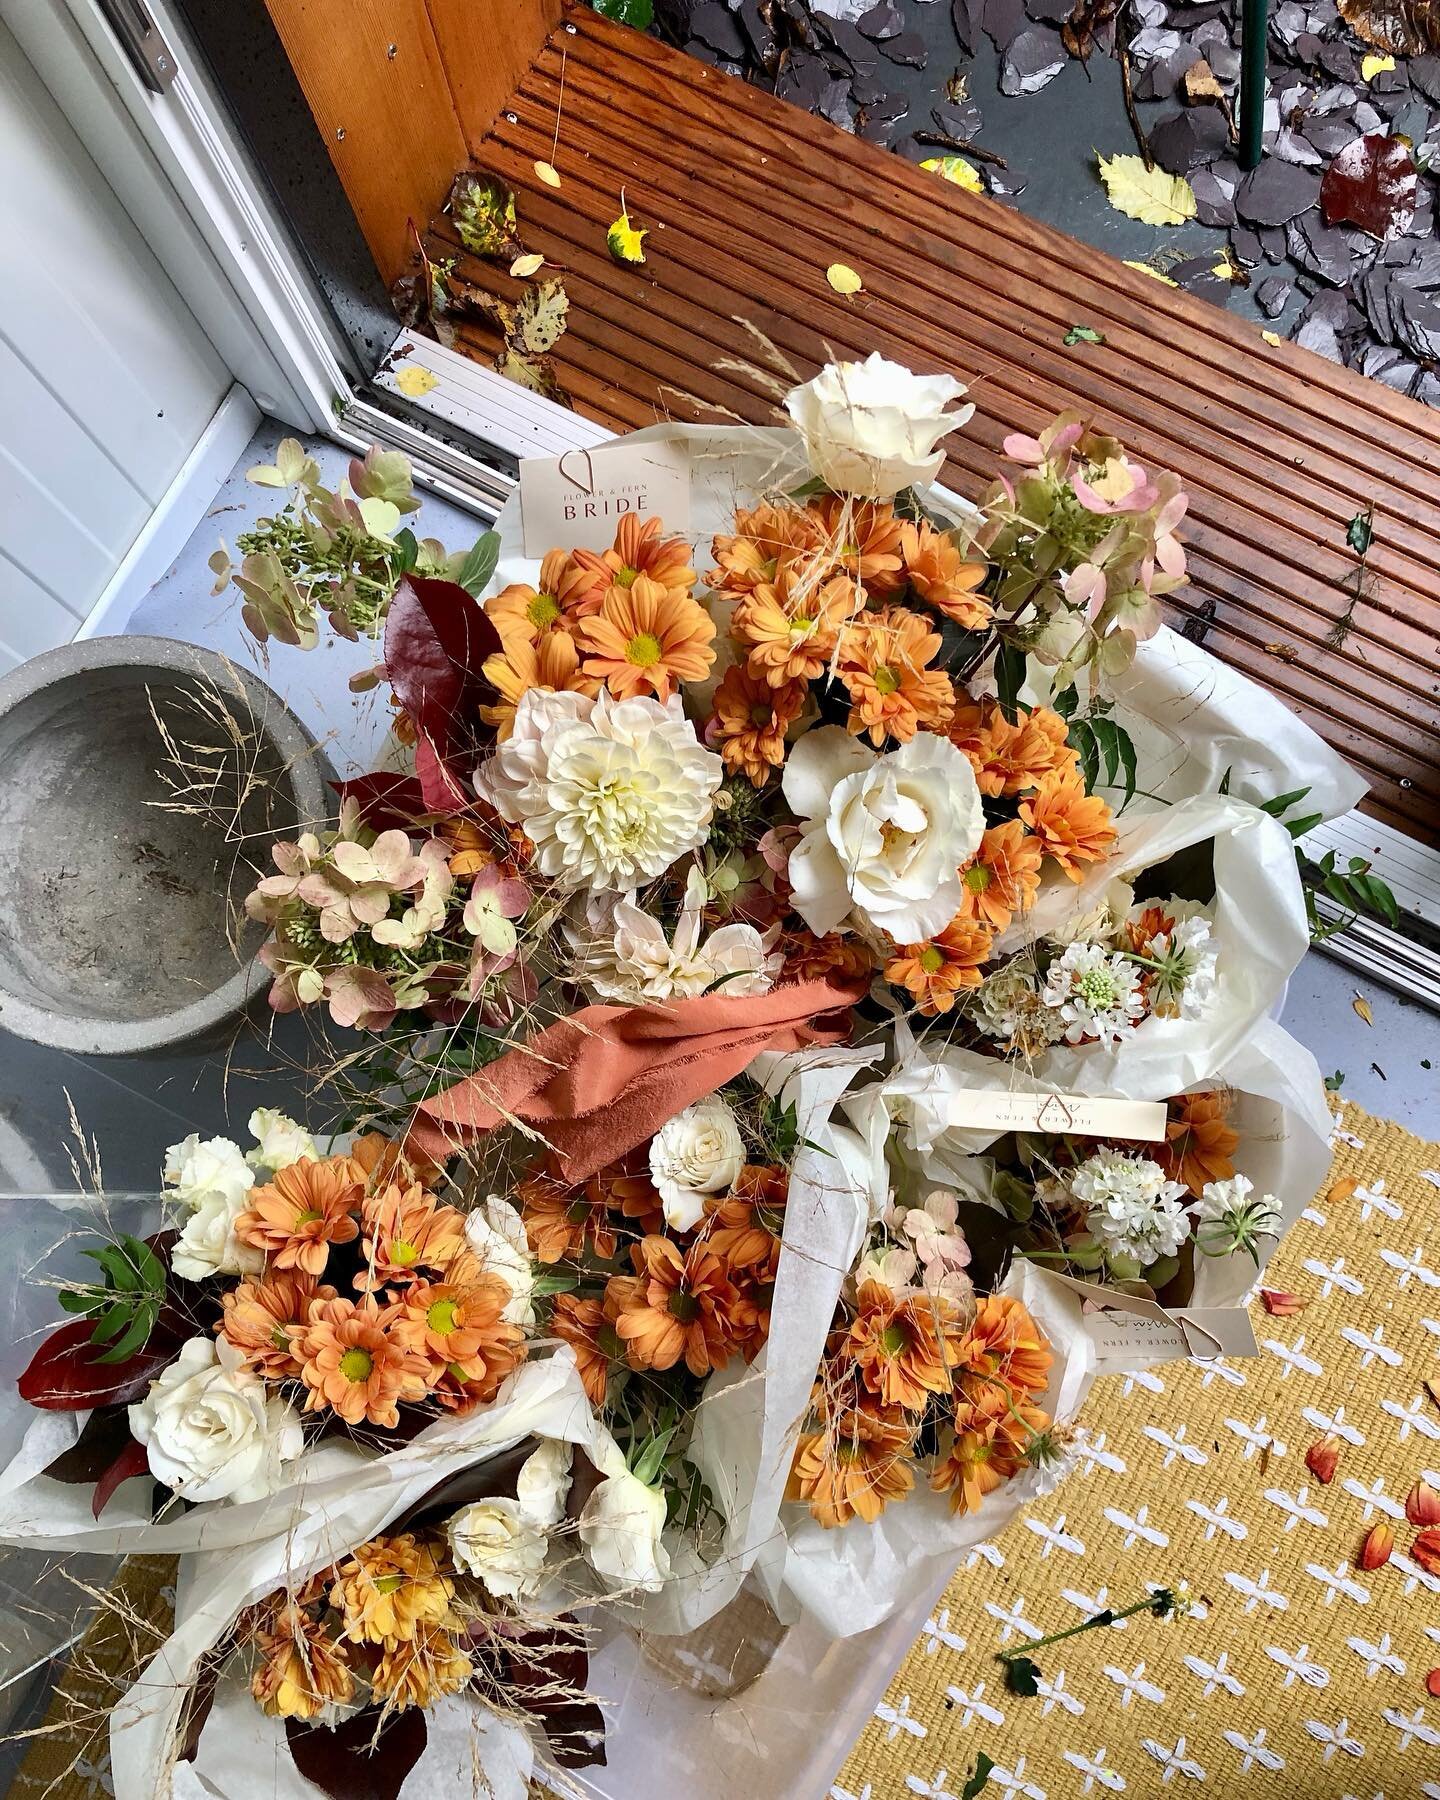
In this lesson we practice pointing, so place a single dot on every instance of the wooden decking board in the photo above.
(749, 200)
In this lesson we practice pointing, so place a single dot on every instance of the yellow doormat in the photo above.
(1305, 1676)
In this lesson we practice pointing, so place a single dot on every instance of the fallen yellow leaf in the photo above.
(415, 381)
(1149, 195)
(548, 173)
(1362, 1006)
(1273, 338)
(1143, 268)
(1376, 65)
(955, 169)
(524, 266)
(843, 279)
(626, 242)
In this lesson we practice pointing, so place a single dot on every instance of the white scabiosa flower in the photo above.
(1133, 1211)
(1230, 1216)
(1096, 994)
(1181, 961)
(610, 792)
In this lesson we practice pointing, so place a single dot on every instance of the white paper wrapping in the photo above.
(338, 1510)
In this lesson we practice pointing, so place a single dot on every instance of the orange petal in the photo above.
(1322, 1458)
(1422, 1504)
(1432, 1683)
(1342, 1190)
(1426, 1550)
(1375, 1551)
(1281, 1304)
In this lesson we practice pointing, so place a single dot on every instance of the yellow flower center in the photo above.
(932, 960)
(801, 626)
(894, 1339)
(441, 1317)
(886, 680)
(643, 650)
(355, 1365)
(402, 1253)
(626, 577)
(309, 1217)
(280, 1337)
(977, 878)
(543, 610)
(387, 1584)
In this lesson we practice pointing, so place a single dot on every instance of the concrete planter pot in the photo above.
(121, 921)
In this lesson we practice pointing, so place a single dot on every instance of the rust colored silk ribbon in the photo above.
(600, 1083)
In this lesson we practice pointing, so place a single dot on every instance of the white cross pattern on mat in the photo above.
(1134, 1683)
(1093, 1769)
(1335, 1738)
(1299, 1666)
(1255, 1750)
(1175, 1762)
(1217, 1518)
(1215, 1675)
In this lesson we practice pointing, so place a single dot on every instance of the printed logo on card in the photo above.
(576, 501)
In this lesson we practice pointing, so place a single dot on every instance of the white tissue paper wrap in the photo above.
(856, 1575)
(343, 1505)
(748, 1418)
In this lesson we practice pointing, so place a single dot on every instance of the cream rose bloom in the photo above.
(207, 1245)
(211, 1430)
(621, 1528)
(279, 1141)
(495, 1541)
(496, 1234)
(196, 1170)
(883, 837)
(610, 792)
(871, 428)
(696, 1153)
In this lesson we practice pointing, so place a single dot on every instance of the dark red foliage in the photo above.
(63, 1375)
(437, 638)
(387, 801)
(1372, 184)
(132, 1460)
(350, 1762)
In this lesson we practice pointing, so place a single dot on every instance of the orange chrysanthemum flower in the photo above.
(553, 662)
(421, 1671)
(583, 1325)
(458, 1326)
(676, 1305)
(904, 1346)
(647, 639)
(750, 722)
(935, 971)
(764, 540)
(561, 1221)
(391, 1590)
(384, 1161)
(789, 627)
(860, 538)
(301, 1669)
(1199, 1143)
(303, 1211)
(1072, 827)
(744, 1227)
(353, 1360)
(941, 576)
(811, 958)
(405, 1233)
(1010, 758)
(643, 549)
(262, 1317)
(1003, 1357)
(626, 1188)
(854, 1466)
(567, 591)
(883, 660)
(1002, 877)
(984, 1453)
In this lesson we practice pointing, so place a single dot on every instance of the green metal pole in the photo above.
(1254, 55)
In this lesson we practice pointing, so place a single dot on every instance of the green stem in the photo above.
(1056, 1637)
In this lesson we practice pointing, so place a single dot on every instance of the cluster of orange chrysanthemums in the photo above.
(422, 1317)
(384, 1617)
(700, 1297)
(626, 619)
(902, 1364)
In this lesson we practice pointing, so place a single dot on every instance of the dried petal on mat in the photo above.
(1372, 184)
(1323, 1458)
(1149, 195)
(1426, 1550)
(1422, 1504)
(1432, 1683)
(1282, 1305)
(1374, 1551)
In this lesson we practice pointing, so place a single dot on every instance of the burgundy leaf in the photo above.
(197, 1706)
(63, 1375)
(441, 772)
(387, 801)
(105, 1435)
(132, 1460)
(350, 1762)
(437, 638)
(1372, 184)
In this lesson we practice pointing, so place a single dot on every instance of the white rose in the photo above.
(496, 1233)
(698, 1152)
(871, 428)
(621, 1528)
(279, 1141)
(882, 836)
(194, 1171)
(210, 1429)
(208, 1245)
(497, 1542)
(544, 1482)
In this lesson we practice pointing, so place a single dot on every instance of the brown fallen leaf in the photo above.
(1375, 1551)
(1361, 1006)
(1200, 84)
(1282, 1305)
(1323, 1458)
(1287, 653)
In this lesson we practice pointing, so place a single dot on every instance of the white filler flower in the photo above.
(871, 428)
(1134, 1211)
(1097, 995)
(610, 792)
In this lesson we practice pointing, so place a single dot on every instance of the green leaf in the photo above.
(1022, 1676)
(140, 1329)
(1009, 678)
(1127, 764)
(652, 1457)
(1082, 334)
(1376, 896)
(1360, 532)
(1065, 701)
(978, 1777)
(1108, 743)
(484, 212)
(479, 565)
(639, 13)
(1281, 803)
(112, 1321)
(77, 1303)
(1298, 827)
(408, 547)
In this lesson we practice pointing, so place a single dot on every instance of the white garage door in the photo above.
(106, 380)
